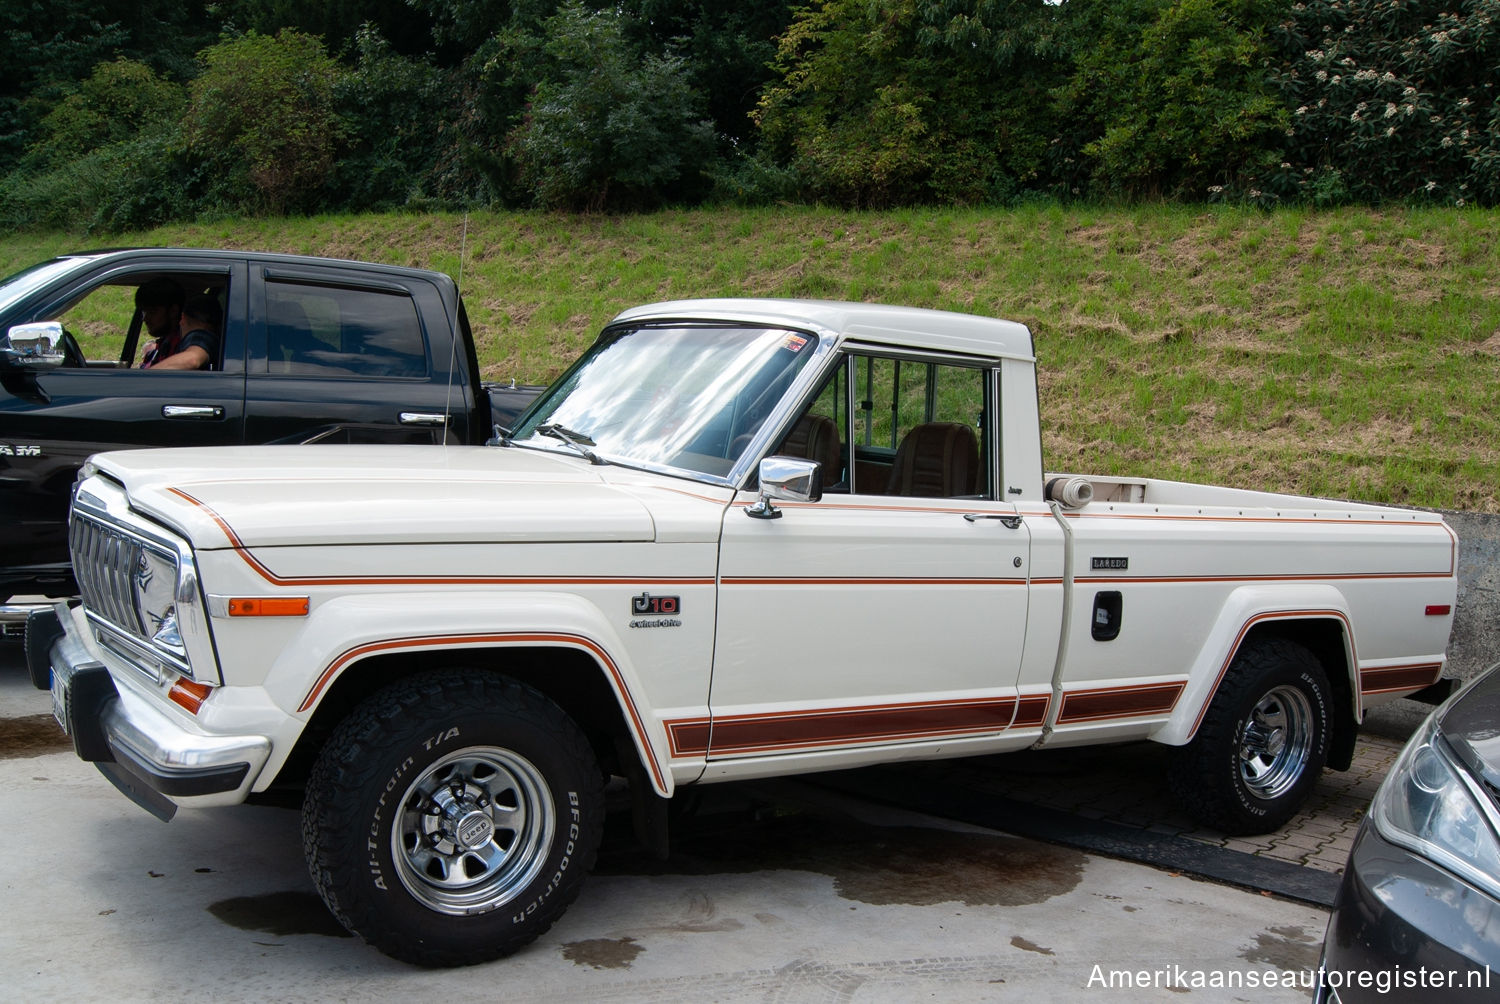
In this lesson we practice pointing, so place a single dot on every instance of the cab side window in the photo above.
(819, 433)
(336, 331)
(910, 427)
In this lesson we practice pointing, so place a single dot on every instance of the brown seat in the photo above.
(815, 437)
(936, 460)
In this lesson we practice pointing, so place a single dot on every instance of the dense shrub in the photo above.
(607, 127)
(1390, 99)
(262, 115)
(395, 112)
(1167, 98)
(896, 101)
(116, 114)
(108, 156)
(118, 101)
(48, 46)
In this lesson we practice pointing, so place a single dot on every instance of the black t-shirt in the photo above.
(201, 337)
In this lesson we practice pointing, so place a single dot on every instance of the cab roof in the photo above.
(904, 327)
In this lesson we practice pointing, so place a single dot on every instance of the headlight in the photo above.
(1429, 804)
(155, 587)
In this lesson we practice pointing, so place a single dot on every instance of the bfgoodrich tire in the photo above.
(1262, 743)
(452, 818)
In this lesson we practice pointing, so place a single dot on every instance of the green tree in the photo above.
(1167, 97)
(727, 49)
(108, 156)
(879, 102)
(48, 46)
(606, 126)
(338, 22)
(398, 113)
(118, 101)
(262, 117)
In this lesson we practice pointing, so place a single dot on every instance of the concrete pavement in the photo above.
(1114, 800)
(779, 892)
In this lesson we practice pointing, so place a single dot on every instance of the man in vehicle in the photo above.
(193, 343)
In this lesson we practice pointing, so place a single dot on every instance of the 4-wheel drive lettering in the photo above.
(455, 798)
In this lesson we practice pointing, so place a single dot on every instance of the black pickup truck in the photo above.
(310, 350)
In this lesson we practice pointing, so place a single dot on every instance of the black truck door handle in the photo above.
(200, 412)
(422, 418)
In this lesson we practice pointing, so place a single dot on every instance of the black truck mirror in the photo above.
(35, 346)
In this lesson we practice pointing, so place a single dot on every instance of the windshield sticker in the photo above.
(794, 342)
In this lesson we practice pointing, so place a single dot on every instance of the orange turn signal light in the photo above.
(190, 694)
(268, 606)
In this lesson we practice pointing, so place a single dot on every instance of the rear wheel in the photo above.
(1262, 744)
(452, 818)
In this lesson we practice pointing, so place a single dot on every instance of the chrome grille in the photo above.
(102, 558)
(115, 569)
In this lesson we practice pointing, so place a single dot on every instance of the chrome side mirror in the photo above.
(35, 346)
(790, 479)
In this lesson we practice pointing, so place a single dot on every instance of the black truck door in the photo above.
(52, 420)
(343, 357)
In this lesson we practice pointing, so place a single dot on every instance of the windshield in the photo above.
(684, 396)
(20, 285)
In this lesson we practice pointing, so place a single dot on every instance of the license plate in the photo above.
(60, 701)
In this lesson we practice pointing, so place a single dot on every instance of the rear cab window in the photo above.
(339, 331)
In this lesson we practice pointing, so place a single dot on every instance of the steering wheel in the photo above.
(72, 353)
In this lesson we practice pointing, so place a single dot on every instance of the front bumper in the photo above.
(14, 614)
(153, 758)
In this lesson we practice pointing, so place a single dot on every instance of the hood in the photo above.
(1471, 724)
(328, 495)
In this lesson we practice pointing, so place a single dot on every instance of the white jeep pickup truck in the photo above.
(739, 538)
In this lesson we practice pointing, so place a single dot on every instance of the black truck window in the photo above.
(109, 330)
(330, 331)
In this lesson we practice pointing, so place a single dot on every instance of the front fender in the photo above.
(1244, 609)
(345, 631)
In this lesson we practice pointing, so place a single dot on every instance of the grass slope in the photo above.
(1352, 353)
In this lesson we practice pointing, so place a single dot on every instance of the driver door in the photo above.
(55, 419)
(891, 612)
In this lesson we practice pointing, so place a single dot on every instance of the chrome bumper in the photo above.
(13, 616)
(142, 749)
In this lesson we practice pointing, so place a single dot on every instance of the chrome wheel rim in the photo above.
(1276, 742)
(473, 830)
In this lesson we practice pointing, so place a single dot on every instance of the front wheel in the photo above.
(452, 818)
(1262, 743)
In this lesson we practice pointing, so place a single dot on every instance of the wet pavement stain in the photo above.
(602, 953)
(1029, 946)
(878, 865)
(1288, 948)
(31, 735)
(701, 916)
(279, 913)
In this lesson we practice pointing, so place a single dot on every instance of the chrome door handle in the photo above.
(194, 411)
(422, 418)
(1011, 522)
